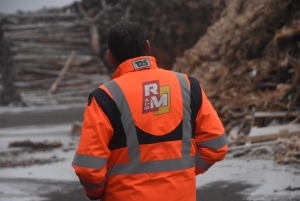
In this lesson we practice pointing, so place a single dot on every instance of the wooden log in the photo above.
(273, 132)
(39, 16)
(23, 46)
(276, 114)
(79, 92)
(247, 146)
(51, 69)
(35, 35)
(94, 34)
(62, 73)
(49, 39)
(53, 100)
(38, 26)
(82, 93)
(42, 31)
(48, 51)
(81, 84)
(34, 83)
(53, 63)
(45, 71)
(32, 65)
(28, 77)
(76, 62)
(46, 83)
(23, 58)
(71, 99)
(39, 101)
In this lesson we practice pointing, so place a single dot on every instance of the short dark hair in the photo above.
(126, 40)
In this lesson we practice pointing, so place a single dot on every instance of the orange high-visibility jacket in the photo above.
(146, 134)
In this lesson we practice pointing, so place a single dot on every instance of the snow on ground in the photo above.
(231, 179)
(60, 170)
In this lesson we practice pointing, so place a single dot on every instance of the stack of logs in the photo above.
(54, 56)
(42, 42)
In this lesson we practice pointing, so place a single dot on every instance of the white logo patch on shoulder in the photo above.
(141, 63)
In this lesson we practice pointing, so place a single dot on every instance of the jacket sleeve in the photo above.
(210, 137)
(92, 154)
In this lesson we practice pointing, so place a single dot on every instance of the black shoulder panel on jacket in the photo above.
(93, 198)
(196, 101)
(147, 138)
(110, 109)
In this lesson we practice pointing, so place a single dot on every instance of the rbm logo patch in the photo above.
(142, 63)
(156, 98)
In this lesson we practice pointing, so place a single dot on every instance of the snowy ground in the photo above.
(231, 179)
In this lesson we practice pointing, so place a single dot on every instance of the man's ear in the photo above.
(111, 58)
(148, 47)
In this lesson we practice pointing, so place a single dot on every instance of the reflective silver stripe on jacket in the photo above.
(201, 163)
(93, 186)
(187, 128)
(135, 166)
(127, 120)
(215, 143)
(89, 161)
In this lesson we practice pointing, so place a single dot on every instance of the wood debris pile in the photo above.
(28, 162)
(248, 61)
(41, 43)
(287, 151)
(282, 150)
(35, 145)
(25, 153)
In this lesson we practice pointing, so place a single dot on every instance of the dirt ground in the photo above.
(232, 179)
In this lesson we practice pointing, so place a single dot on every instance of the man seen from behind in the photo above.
(147, 132)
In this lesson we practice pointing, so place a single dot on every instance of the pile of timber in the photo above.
(248, 63)
(53, 57)
(283, 150)
(42, 42)
(287, 151)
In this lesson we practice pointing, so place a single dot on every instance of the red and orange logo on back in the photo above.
(156, 98)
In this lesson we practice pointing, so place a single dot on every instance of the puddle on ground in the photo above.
(224, 190)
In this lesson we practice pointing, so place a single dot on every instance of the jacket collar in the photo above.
(135, 64)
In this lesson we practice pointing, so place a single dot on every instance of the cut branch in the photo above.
(95, 39)
(62, 73)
